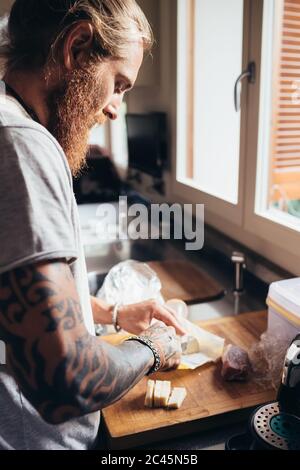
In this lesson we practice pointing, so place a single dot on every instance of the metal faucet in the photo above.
(239, 261)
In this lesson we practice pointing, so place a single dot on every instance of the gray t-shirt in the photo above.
(39, 221)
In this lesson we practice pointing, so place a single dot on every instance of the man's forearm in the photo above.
(98, 374)
(62, 370)
(90, 377)
(102, 312)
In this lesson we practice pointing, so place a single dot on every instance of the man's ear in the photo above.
(78, 44)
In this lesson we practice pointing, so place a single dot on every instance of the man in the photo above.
(68, 65)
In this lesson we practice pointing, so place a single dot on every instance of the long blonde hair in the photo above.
(37, 28)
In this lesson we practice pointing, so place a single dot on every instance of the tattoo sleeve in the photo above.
(61, 369)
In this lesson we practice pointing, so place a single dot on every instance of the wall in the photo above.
(149, 73)
(152, 95)
(156, 95)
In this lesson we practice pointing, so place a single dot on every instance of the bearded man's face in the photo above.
(74, 109)
(86, 97)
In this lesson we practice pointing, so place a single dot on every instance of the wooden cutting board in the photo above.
(210, 401)
(183, 280)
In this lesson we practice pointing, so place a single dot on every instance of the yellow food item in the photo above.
(159, 394)
(177, 397)
(190, 345)
(165, 393)
(149, 394)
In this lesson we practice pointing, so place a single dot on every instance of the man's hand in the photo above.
(168, 342)
(138, 317)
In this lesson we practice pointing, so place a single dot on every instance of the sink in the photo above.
(230, 304)
(95, 281)
(101, 258)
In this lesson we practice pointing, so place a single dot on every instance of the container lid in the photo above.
(287, 295)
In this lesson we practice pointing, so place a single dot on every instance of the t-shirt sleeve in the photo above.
(36, 199)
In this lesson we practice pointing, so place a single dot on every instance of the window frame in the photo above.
(187, 191)
(278, 243)
(271, 226)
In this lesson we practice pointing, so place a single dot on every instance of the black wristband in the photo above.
(147, 342)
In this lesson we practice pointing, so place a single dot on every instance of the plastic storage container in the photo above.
(284, 310)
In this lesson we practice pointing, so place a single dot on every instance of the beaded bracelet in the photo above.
(157, 357)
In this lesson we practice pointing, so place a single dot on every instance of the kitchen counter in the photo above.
(101, 256)
(210, 404)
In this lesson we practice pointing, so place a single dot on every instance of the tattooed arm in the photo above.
(61, 369)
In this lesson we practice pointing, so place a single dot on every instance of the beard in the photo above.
(75, 107)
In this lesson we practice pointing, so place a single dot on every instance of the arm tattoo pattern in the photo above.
(62, 370)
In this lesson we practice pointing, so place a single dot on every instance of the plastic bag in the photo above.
(267, 358)
(130, 282)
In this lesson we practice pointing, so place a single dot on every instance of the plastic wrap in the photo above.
(130, 282)
(204, 346)
(267, 358)
(199, 347)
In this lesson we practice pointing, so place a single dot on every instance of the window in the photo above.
(210, 148)
(278, 169)
(99, 136)
(214, 36)
(244, 166)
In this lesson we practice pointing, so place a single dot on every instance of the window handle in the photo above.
(250, 73)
